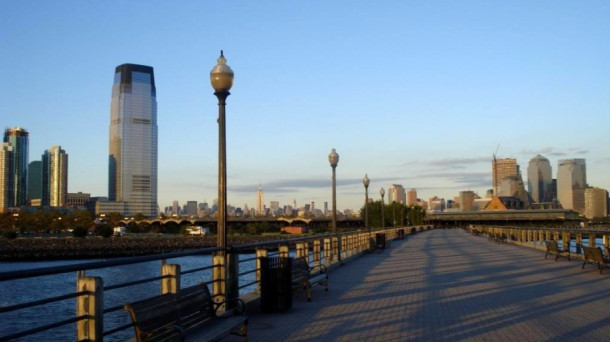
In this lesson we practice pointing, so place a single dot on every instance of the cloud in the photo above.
(460, 179)
(550, 151)
(453, 163)
(299, 184)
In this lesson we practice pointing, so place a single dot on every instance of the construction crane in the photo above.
(495, 173)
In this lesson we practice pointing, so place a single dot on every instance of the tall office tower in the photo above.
(191, 208)
(313, 207)
(411, 197)
(571, 184)
(6, 156)
(34, 181)
(467, 200)
(540, 179)
(596, 203)
(132, 170)
(274, 207)
(502, 168)
(396, 193)
(260, 201)
(17, 137)
(55, 177)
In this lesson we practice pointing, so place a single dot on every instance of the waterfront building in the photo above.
(35, 182)
(133, 140)
(54, 177)
(18, 139)
(260, 201)
(596, 203)
(6, 156)
(411, 197)
(502, 168)
(467, 200)
(540, 179)
(396, 193)
(571, 184)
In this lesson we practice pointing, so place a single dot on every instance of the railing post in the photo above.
(335, 248)
(306, 252)
(218, 278)
(345, 250)
(606, 242)
(284, 251)
(317, 253)
(260, 253)
(171, 284)
(90, 305)
(327, 251)
(591, 239)
(300, 249)
(578, 242)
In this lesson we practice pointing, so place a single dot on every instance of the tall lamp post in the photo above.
(366, 181)
(221, 78)
(382, 193)
(333, 159)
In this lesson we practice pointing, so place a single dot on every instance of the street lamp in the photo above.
(333, 159)
(382, 193)
(221, 78)
(366, 181)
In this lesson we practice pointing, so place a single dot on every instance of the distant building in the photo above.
(18, 140)
(260, 201)
(411, 197)
(596, 205)
(78, 200)
(436, 204)
(502, 168)
(467, 200)
(191, 208)
(55, 177)
(274, 206)
(540, 179)
(571, 184)
(35, 181)
(6, 157)
(504, 203)
(132, 166)
(396, 193)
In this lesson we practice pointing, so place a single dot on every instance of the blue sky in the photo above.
(418, 93)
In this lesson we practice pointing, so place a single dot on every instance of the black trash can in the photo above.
(380, 240)
(276, 288)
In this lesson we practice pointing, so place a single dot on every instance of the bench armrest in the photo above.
(239, 309)
(321, 267)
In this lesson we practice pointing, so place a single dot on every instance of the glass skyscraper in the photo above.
(17, 177)
(540, 179)
(571, 184)
(55, 177)
(132, 176)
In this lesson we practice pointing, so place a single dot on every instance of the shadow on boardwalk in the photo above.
(448, 285)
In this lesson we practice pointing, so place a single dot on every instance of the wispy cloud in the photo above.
(460, 179)
(299, 184)
(453, 163)
(550, 151)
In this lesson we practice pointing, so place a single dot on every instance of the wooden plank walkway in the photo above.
(447, 285)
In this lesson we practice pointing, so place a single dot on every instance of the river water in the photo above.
(24, 290)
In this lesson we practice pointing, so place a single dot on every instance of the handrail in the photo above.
(248, 282)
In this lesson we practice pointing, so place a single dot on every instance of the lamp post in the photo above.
(382, 193)
(366, 181)
(333, 159)
(221, 78)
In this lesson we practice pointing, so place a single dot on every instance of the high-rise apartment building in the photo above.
(260, 201)
(411, 197)
(571, 184)
(55, 177)
(35, 181)
(502, 168)
(6, 156)
(17, 138)
(596, 205)
(396, 193)
(467, 200)
(540, 179)
(132, 176)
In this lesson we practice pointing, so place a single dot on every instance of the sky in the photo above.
(417, 93)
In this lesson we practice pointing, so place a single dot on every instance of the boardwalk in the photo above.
(447, 285)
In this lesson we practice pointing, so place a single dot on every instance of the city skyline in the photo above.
(412, 94)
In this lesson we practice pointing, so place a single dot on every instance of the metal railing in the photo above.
(98, 312)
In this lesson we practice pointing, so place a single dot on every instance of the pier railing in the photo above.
(233, 273)
(534, 237)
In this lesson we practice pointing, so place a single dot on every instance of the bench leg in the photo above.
(244, 331)
(308, 288)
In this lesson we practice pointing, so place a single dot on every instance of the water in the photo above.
(24, 290)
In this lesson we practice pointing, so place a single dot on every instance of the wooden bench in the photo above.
(189, 315)
(303, 276)
(553, 248)
(593, 255)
